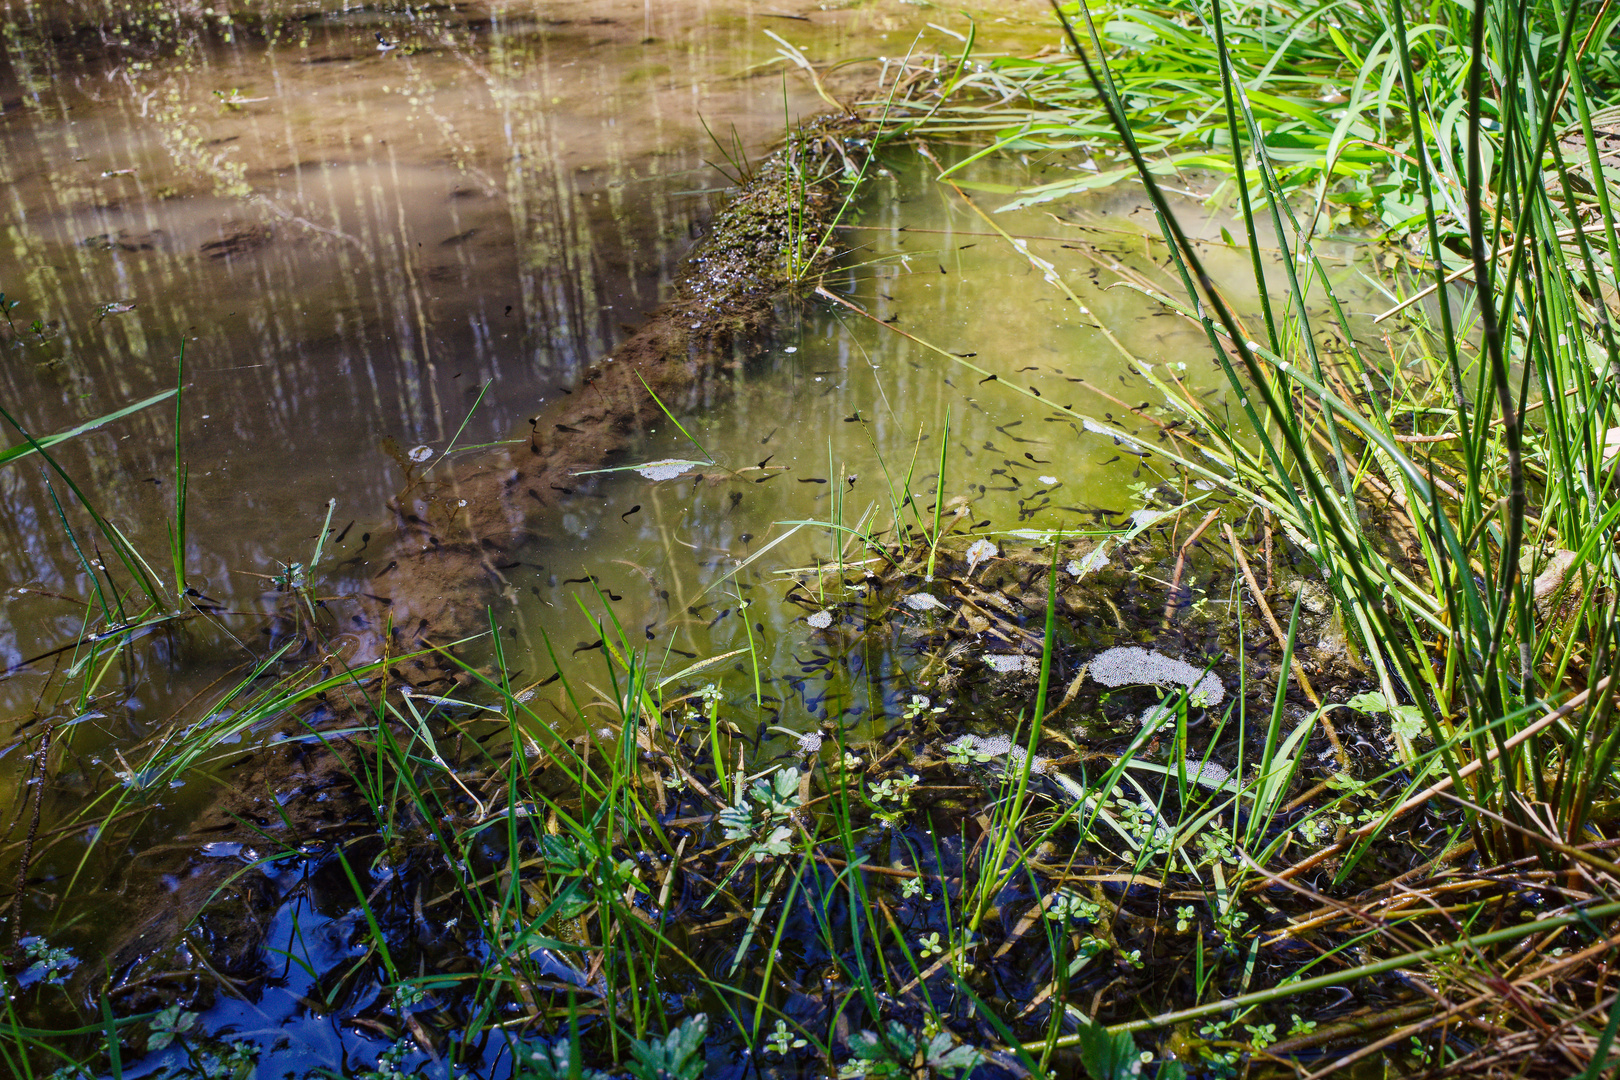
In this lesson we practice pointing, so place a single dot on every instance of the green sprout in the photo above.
(781, 1040)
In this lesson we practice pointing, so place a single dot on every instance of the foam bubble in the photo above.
(668, 469)
(1008, 663)
(1132, 665)
(977, 552)
(1095, 559)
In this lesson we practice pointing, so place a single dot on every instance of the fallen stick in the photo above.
(1181, 564)
(1445, 784)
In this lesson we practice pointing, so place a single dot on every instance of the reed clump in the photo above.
(1449, 466)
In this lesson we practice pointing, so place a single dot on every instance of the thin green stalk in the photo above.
(1184, 253)
(939, 495)
(998, 876)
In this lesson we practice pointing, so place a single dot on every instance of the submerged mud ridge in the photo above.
(441, 567)
(452, 533)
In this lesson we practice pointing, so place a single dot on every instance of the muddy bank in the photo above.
(430, 575)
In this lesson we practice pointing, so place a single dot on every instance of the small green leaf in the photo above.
(554, 1061)
(1372, 703)
(948, 1059)
(1106, 1056)
(677, 1056)
(1407, 721)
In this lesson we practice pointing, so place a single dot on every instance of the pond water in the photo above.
(352, 243)
(358, 245)
(843, 410)
(376, 230)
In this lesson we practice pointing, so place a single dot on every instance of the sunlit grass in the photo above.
(1482, 440)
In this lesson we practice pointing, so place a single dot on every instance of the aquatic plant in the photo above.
(1500, 659)
(1494, 490)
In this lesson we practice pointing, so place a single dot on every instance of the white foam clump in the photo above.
(1008, 663)
(668, 469)
(978, 552)
(1206, 774)
(998, 748)
(924, 602)
(1132, 665)
(1095, 559)
(1158, 717)
(820, 620)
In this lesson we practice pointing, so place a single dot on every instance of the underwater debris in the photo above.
(1132, 665)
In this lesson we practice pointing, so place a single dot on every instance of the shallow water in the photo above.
(843, 411)
(846, 414)
(355, 243)
(352, 243)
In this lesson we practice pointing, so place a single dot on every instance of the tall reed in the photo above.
(1485, 440)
